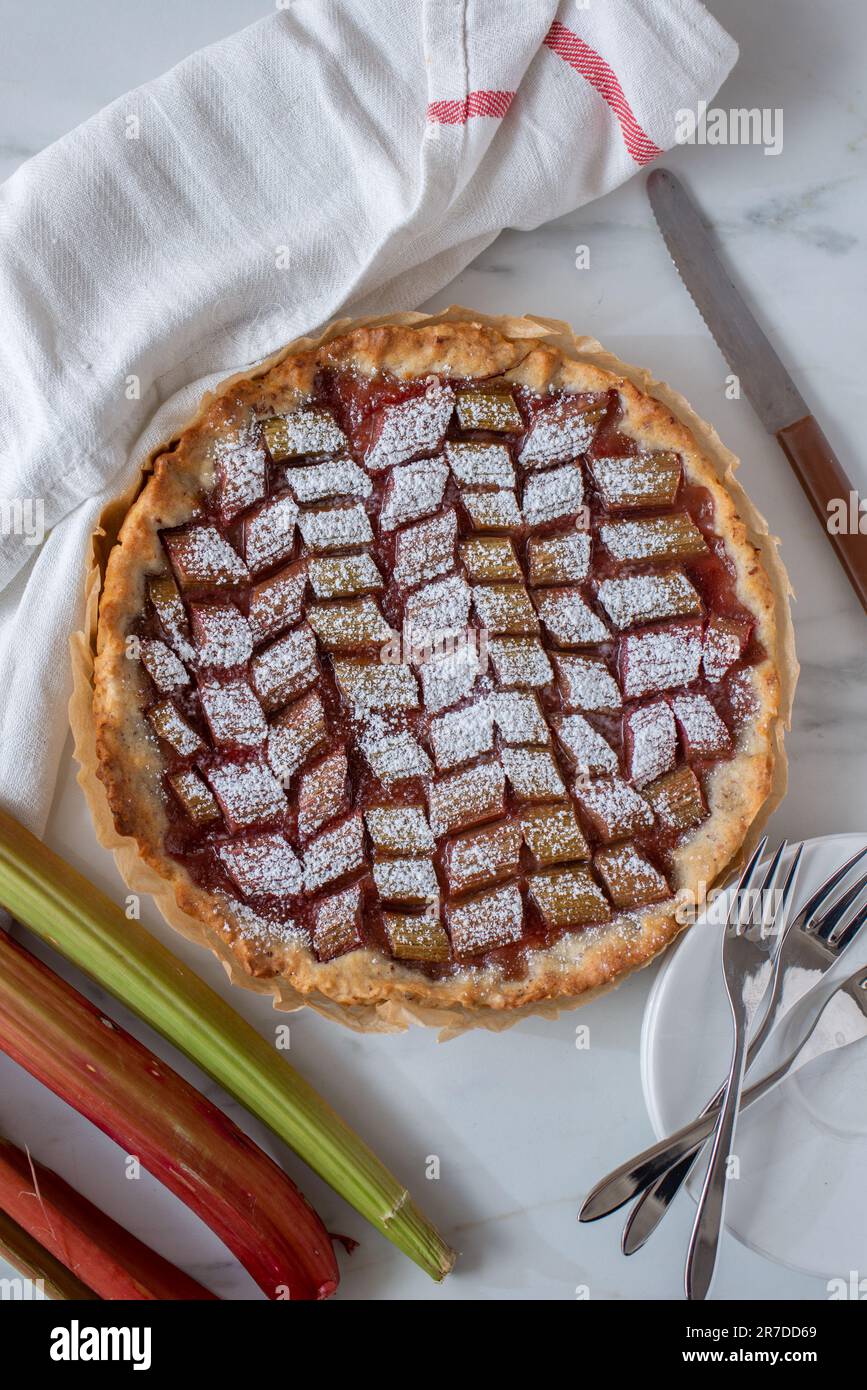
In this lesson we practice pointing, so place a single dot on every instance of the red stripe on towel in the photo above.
(593, 68)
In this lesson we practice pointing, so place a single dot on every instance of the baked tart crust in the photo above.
(638, 468)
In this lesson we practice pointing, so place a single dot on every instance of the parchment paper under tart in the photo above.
(395, 1015)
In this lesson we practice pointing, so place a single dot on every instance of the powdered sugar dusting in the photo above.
(163, 667)
(334, 478)
(334, 853)
(392, 752)
(481, 465)
(643, 598)
(569, 618)
(335, 528)
(547, 496)
(413, 427)
(657, 659)
(413, 490)
(233, 713)
(461, 735)
(586, 745)
(487, 921)
(262, 865)
(651, 741)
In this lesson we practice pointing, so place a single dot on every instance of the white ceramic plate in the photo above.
(801, 1197)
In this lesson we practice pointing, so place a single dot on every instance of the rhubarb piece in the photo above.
(466, 798)
(585, 745)
(169, 608)
(703, 733)
(399, 829)
(419, 938)
(436, 611)
(447, 679)
(303, 432)
(347, 624)
(295, 734)
(725, 641)
(492, 511)
(656, 659)
(369, 685)
(518, 717)
(533, 774)
(197, 800)
(241, 466)
(674, 537)
(335, 528)
(520, 662)
(412, 490)
(323, 794)
(552, 834)
(487, 558)
(336, 478)
(488, 410)
(645, 598)
(425, 550)
(285, 668)
(201, 557)
(568, 897)
(406, 882)
(505, 608)
(586, 683)
(461, 735)
(128, 961)
(176, 1133)
(557, 493)
(739, 689)
(344, 576)
(416, 426)
(649, 742)
(481, 465)
(631, 880)
(569, 618)
(642, 480)
(337, 924)
(559, 559)
(334, 854)
(261, 865)
(169, 724)
(248, 793)
(561, 431)
(77, 1234)
(221, 635)
(486, 922)
(269, 533)
(612, 808)
(39, 1265)
(393, 754)
(677, 800)
(276, 603)
(165, 670)
(483, 856)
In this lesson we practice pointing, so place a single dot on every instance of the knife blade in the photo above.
(762, 376)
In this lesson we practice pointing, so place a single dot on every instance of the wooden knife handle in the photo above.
(831, 495)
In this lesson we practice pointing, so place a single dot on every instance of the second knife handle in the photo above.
(821, 475)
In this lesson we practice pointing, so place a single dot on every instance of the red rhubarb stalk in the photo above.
(176, 1134)
(110, 1260)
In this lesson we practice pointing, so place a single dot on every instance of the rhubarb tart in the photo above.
(436, 666)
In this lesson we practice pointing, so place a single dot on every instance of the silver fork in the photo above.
(819, 942)
(810, 945)
(746, 945)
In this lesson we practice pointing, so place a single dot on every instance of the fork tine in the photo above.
(824, 891)
(835, 914)
(787, 892)
(764, 892)
(850, 930)
(741, 898)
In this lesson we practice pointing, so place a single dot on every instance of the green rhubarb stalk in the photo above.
(32, 1260)
(64, 909)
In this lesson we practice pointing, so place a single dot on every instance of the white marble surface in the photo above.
(524, 1123)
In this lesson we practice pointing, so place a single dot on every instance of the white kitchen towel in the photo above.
(339, 155)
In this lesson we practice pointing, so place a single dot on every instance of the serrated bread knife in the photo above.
(769, 387)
